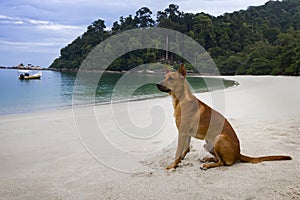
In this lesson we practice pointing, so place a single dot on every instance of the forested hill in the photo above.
(259, 40)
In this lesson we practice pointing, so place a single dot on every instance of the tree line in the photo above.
(258, 41)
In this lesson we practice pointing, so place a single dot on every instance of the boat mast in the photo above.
(167, 45)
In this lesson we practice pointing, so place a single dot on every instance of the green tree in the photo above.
(230, 66)
(143, 18)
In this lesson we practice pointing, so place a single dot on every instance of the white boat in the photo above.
(26, 75)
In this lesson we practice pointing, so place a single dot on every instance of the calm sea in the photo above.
(55, 89)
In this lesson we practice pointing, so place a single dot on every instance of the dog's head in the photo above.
(173, 81)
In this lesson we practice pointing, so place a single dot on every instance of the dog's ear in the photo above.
(182, 70)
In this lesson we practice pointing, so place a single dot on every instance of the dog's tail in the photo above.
(263, 158)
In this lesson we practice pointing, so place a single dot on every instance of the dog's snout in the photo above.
(162, 88)
(159, 86)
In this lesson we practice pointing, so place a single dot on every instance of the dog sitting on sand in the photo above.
(196, 119)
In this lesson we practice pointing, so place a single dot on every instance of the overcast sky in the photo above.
(34, 31)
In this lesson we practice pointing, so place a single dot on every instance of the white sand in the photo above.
(42, 156)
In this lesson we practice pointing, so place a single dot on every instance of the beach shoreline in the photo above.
(43, 154)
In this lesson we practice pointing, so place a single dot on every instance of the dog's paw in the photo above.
(172, 166)
(208, 159)
(205, 160)
(203, 167)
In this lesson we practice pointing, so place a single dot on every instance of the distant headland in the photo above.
(25, 67)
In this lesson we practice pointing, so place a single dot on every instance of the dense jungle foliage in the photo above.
(260, 40)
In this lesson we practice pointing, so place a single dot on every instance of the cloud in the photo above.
(38, 22)
(47, 25)
(23, 45)
(41, 24)
(10, 20)
(4, 17)
(18, 22)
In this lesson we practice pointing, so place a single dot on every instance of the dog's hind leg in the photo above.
(209, 147)
(219, 163)
(226, 152)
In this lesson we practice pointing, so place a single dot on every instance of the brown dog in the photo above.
(196, 119)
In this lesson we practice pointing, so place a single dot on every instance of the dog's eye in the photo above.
(170, 78)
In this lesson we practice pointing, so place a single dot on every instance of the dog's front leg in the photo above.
(182, 139)
(187, 147)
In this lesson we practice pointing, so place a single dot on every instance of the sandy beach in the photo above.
(120, 151)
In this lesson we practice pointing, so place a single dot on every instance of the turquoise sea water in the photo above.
(55, 89)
